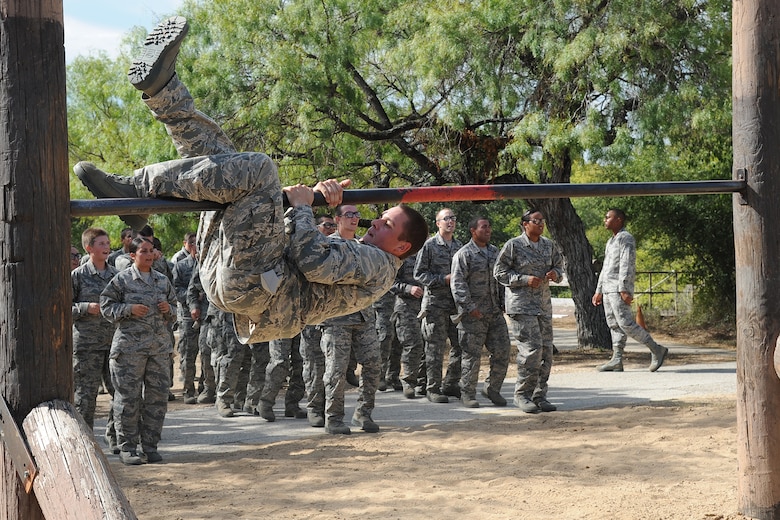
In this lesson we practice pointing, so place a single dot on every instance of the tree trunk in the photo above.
(756, 106)
(35, 334)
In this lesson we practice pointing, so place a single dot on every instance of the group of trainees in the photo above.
(276, 273)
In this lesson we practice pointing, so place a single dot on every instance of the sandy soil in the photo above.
(672, 460)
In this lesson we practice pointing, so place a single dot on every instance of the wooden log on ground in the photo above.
(74, 478)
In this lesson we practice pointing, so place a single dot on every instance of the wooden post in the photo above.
(74, 480)
(35, 335)
(756, 132)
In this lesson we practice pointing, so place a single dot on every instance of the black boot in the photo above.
(156, 64)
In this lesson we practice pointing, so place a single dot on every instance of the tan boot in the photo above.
(615, 364)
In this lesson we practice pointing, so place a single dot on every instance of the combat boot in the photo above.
(526, 404)
(295, 412)
(365, 422)
(223, 408)
(495, 397)
(266, 411)
(110, 186)
(337, 427)
(156, 64)
(207, 396)
(657, 357)
(615, 364)
(316, 420)
(469, 400)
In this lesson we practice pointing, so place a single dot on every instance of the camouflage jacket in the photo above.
(434, 262)
(473, 284)
(139, 334)
(619, 271)
(322, 279)
(518, 260)
(90, 331)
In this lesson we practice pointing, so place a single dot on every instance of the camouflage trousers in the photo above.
(141, 383)
(621, 323)
(389, 348)
(236, 245)
(252, 378)
(491, 332)
(188, 352)
(534, 335)
(229, 355)
(337, 342)
(209, 335)
(313, 369)
(407, 329)
(284, 359)
(87, 378)
(437, 328)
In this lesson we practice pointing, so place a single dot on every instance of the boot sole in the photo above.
(159, 53)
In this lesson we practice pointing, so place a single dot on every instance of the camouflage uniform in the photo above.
(273, 285)
(92, 335)
(188, 334)
(252, 378)
(284, 360)
(231, 357)
(530, 309)
(209, 330)
(140, 356)
(407, 324)
(474, 287)
(389, 348)
(313, 369)
(619, 275)
(434, 262)
(339, 336)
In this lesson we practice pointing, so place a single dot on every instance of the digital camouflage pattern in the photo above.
(92, 336)
(434, 263)
(475, 288)
(243, 265)
(530, 309)
(140, 355)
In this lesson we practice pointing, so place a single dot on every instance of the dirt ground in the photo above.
(670, 460)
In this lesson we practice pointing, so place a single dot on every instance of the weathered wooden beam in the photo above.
(35, 319)
(86, 208)
(74, 480)
(756, 133)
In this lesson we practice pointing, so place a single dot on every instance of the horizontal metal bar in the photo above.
(89, 208)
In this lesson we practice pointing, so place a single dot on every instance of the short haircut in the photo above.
(339, 211)
(188, 236)
(90, 234)
(137, 241)
(415, 232)
(474, 222)
(619, 213)
(527, 215)
(322, 218)
(157, 243)
(127, 232)
(146, 231)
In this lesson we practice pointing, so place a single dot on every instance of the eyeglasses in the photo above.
(75, 256)
(449, 218)
(537, 221)
(328, 225)
(351, 214)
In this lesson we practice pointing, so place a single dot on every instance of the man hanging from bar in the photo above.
(276, 272)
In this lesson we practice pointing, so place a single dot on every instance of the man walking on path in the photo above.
(615, 290)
